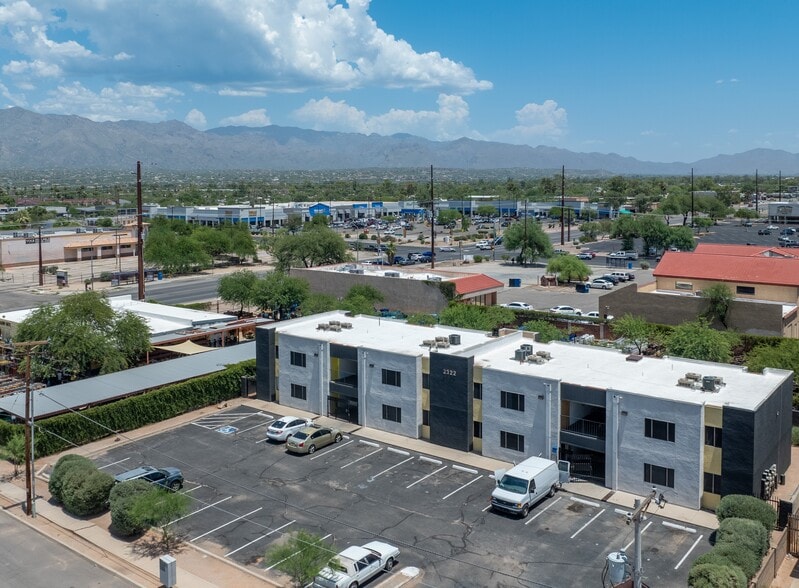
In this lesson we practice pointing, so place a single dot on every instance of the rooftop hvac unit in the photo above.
(444, 338)
(357, 270)
(392, 274)
(335, 323)
(323, 326)
(685, 382)
(454, 339)
(520, 355)
(335, 328)
(544, 354)
(693, 376)
(443, 344)
(428, 342)
(346, 325)
(536, 359)
(709, 383)
(528, 349)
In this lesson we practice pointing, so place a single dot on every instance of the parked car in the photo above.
(747, 223)
(565, 310)
(773, 228)
(788, 231)
(399, 260)
(169, 478)
(560, 252)
(405, 261)
(517, 306)
(618, 254)
(594, 314)
(285, 427)
(357, 565)
(610, 278)
(585, 255)
(447, 248)
(311, 438)
(601, 284)
(415, 257)
(764, 231)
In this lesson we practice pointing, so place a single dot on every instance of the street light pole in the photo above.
(30, 470)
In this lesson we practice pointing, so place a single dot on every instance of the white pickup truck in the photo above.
(356, 565)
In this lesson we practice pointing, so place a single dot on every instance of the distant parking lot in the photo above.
(247, 491)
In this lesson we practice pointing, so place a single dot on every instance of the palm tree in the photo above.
(391, 251)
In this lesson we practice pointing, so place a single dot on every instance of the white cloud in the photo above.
(536, 121)
(122, 56)
(448, 122)
(123, 101)
(19, 14)
(252, 118)
(36, 68)
(734, 80)
(249, 92)
(648, 133)
(196, 119)
(732, 132)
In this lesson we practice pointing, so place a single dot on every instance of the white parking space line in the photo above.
(346, 465)
(200, 510)
(462, 487)
(274, 565)
(114, 463)
(254, 427)
(391, 468)
(595, 517)
(626, 547)
(543, 510)
(197, 487)
(244, 516)
(679, 563)
(259, 538)
(339, 446)
(427, 476)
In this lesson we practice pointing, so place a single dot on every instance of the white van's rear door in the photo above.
(564, 467)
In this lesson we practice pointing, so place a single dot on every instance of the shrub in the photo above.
(121, 501)
(85, 492)
(644, 265)
(728, 554)
(716, 576)
(478, 258)
(746, 507)
(745, 532)
(795, 435)
(62, 467)
(105, 277)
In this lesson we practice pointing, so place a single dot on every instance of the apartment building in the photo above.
(696, 430)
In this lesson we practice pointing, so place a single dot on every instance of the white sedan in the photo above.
(517, 306)
(286, 426)
(600, 283)
(447, 248)
(566, 310)
(594, 314)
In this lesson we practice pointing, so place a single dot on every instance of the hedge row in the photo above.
(59, 433)
(80, 486)
(741, 542)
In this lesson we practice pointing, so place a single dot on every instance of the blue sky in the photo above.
(656, 80)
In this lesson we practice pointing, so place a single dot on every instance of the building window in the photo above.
(750, 290)
(712, 483)
(477, 431)
(659, 430)
(511, 441)
(299, 391)
(426, 381)
(659, 476)
(513, 401)
(426, 418)
(391, 378)
(392, 413)
(712, 436)
(478, 391)
(297, 358)
(683, 285)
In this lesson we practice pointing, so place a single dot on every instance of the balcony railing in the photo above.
(584, 427)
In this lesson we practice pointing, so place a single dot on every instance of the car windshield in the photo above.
(279, 424)
(301, 435)
(513, 484)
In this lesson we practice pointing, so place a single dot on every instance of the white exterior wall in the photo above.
(532, 423)
(373, 394)
(314, 376)
(625, 471)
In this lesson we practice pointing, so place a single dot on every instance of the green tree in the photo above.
(677, 202)
(696, 340)
(590, 231)
(85, 491)
(427, 320)
(64, 464)
(653, 232)
(293, 223)
(682, 238)
(121, 501)
(238, 288)
(782, 355)
(625, 228)
(13, 450)
(280, 293)
(719, 297)
(315, 245)
(446, 216)
(300, 556)
(546, 331)
(391, 252)
(481, 318)
(317, 302)
(635, 330)
(85, 336)
(529, 239)
(703, 222)
(157, 508)
(171, 246)
(568, 268)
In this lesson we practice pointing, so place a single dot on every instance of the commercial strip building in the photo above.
(763, 280)
(696, 430)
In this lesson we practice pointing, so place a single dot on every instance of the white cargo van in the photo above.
(521, 487)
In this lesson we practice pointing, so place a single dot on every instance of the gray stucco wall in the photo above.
(532, 423)
(751, 317)
(314, 376)
(684, 455)
(409, 296)
(373, 394)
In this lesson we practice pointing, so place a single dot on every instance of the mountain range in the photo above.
(32, 141)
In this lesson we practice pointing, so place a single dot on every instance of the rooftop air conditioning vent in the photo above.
(685, 382)
(709, 384)
(335, 328)
(693, 376)
(536, 359)
(322, 326)
(454, 339)
(527, 348)
(635, 357)
(544, 354)
(442, 344)
(520, 355)
(335, 323)
(442, 338)
(346, 325)
(434, 278)
(428, 342)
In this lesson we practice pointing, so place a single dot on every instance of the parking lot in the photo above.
(248, 491)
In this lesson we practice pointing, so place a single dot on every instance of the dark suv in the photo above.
(170, 478)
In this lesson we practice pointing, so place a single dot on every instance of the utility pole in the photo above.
(757, 195)
(562, 200)
(41, 266)
(636, 516)
(432, 223)
(692, 197)
(30, 470)
(140, 230)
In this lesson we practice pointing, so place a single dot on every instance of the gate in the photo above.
(793, 534)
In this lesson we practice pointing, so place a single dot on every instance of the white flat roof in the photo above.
(384, 334)
(608, 368)
(381, 270)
